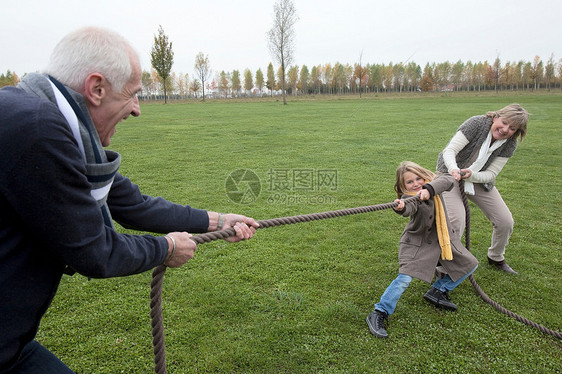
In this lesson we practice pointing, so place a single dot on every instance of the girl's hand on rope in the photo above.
(423, 194)
(245, 227)
(180, 249)
(400, 206)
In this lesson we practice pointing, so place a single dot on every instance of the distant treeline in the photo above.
(356, 79)
(340, 79)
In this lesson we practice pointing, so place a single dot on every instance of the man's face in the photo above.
(117, 106)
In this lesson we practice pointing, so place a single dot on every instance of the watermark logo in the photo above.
(243, 186)
(284, 185)
(312, 180)
(301, 186)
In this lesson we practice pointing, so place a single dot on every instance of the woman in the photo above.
(477, 153)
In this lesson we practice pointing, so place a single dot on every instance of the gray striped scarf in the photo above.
(101, 165)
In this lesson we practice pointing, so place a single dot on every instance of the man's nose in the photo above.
(136, 108)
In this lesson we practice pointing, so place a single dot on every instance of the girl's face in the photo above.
(501, 129)
(413, 182)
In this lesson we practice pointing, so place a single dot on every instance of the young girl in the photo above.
(421, 246)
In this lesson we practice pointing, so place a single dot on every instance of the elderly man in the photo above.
(60, 190)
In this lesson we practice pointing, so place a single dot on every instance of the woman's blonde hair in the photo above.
(400, 185)
(515, 115)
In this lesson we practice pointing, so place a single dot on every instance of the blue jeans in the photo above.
(392, 294)
(446, 284)
(36, 359)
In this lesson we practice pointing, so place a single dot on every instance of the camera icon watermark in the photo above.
(284, 186)
(243, 186)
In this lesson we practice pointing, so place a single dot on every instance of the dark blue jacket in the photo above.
(48, 219)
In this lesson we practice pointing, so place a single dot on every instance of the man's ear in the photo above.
(94, 89)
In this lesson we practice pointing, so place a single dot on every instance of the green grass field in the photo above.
(294, 299)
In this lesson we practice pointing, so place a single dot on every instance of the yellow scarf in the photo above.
(442, 229)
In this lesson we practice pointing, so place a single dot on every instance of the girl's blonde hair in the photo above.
(515, 115)
(400, 186)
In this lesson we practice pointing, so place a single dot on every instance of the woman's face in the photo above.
(501, 129)
(413, 182)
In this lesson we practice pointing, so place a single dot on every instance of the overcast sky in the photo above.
(233, 32)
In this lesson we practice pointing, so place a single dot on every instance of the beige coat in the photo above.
(419, 245)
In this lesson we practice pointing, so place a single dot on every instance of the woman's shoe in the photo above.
(501, 265)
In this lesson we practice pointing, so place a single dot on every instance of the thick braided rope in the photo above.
(156, 319)
(482, 294)
(158, 273)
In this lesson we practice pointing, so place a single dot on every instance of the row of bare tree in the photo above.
(342, 79)
(162, 82)
(357, 79)
(349, 79)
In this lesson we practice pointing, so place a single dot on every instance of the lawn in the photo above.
(294, 299)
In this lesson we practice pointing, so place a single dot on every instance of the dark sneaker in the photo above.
(439, 299)
(501, 265)
(375, 321)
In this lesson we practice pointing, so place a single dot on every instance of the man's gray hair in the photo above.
(92, 50)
